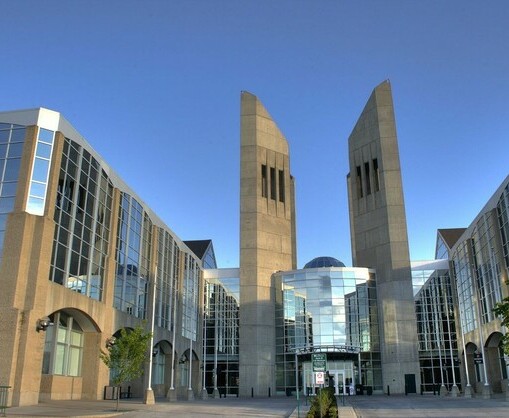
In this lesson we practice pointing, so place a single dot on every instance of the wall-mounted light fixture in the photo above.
(110, 342)
(155, 351)
(43, 324)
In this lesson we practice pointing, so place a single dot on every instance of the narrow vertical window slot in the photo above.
(367, 178)
(264, 181)
(359, 182)
(281, 186)
(376, 175)
(272, 183)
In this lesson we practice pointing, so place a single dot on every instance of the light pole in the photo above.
(454, 389)
(434, 304)
(297, 382)
(172, 394)
(486, 390)
(149, 398)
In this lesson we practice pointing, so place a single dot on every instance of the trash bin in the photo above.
(359, 389)
(110, 393)
(369, 390)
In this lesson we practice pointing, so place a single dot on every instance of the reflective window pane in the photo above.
(6, 204)
(35, 205)
(9, 189)
(3, 220)
(38, 189)
(12, 169)
(41, 168)
(4, 136)
(18, 135)
(43, 150)
(46, 135)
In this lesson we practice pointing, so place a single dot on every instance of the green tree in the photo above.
(126, 354)
(501, 309)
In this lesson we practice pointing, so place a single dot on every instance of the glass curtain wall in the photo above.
(503, 222)
(221, 335)
(132, 257)
(82, 217)
(332, 310)
(436, 328)
(12, 139)
(166, 280)
(40, 172)
(190, 298)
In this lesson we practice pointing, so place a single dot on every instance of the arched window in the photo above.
(63, 348)
(158, 365)
(502, 360)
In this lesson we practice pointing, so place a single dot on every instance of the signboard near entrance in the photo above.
(320, 378)
(478, 358)
(319, 362)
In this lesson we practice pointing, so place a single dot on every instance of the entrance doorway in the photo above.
(338, 381)
(341, 377)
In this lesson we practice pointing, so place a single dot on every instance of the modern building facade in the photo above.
(81, 258)
(459, 336)
(479, 266)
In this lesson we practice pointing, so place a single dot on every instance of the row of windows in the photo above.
(277, 184)
(486, 266)
(40, 172)
(131, 283)
(327, 315)
(367, 178)
(190, 293)
(464, 287)
(221, 335)
(12, 138)
(82, 216)
(435, 315)
(503, 220)
(167, 280)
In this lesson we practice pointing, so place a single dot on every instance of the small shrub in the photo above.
(324, 402)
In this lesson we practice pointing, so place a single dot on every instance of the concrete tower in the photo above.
(379, 235)
(267, 241)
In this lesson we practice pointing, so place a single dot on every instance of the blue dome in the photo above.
(323, 262)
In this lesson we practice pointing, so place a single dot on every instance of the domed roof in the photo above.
(323, 262)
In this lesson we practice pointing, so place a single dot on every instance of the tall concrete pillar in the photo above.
(267, 241)
(379, 234)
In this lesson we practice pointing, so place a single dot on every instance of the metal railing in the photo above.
(3, 399)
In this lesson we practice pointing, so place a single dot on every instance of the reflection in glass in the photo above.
(330, 310)
(221, 335)
(40, 172)
(12, 169)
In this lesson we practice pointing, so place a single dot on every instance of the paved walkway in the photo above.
(280, 407)
(376, 406)
(382, 406)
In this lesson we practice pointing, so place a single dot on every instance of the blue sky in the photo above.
(155, 86)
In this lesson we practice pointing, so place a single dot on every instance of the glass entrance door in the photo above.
(341, 372)
(339, 381)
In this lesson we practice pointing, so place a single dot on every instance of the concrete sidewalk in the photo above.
(376, 406)
(412, 406)
(281, 407)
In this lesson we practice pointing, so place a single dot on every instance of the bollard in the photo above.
(252, 392)
(388, 390)
(269, 392)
